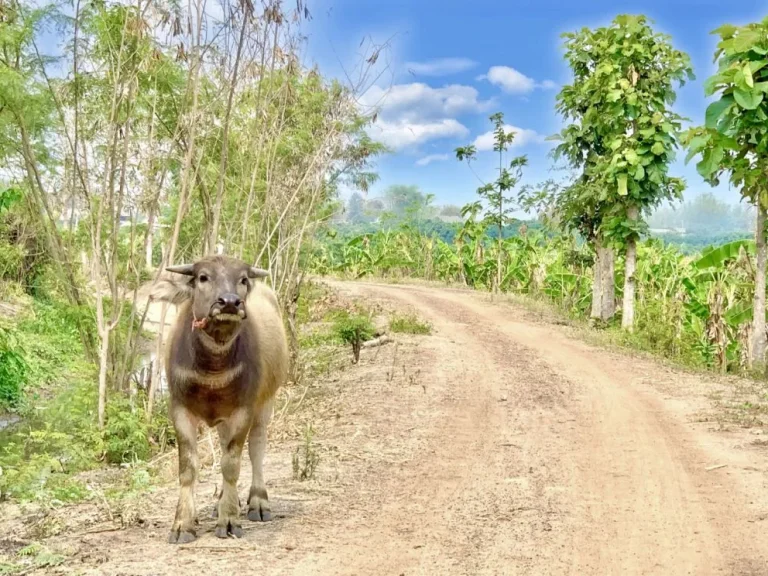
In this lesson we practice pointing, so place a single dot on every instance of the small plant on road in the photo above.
(306, 458)
(354, 329)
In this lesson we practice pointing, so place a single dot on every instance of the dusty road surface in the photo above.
(499, 444)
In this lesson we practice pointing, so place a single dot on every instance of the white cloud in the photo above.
(440, 66)
(413, 114)
(418, 100)
(523, 136)
(512, 81)
(403, 134)
(432, 158)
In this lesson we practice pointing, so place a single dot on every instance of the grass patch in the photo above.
(409, 324)
(34, 556)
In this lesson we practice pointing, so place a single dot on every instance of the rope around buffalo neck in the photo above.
(198, 323)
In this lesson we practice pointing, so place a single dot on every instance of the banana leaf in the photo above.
(717, 256)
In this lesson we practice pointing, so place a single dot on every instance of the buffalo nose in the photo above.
(229, 301)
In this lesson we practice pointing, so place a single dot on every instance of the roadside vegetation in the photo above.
(591, 251)
(133, 137)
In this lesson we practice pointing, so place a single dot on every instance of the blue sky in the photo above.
(452, 63)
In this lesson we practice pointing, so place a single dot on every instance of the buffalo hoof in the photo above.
(259, 509)
(259, 514)
(181, 537)
(223, 531)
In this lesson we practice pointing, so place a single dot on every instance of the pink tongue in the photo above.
(199, 323)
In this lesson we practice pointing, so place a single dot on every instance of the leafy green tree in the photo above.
(624, 131)
(499, 205)
(734, 139)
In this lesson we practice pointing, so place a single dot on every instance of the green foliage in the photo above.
(13, 368)
(58, 436)
(354, 329)
(32, 557)
(126, 437)
(734, 138)
(623, 133)
(409, 324)
(499, 204)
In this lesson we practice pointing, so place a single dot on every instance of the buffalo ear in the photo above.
(172, 292)
(186, 269)
(254, 272)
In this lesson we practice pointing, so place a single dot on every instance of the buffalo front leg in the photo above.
(232, 434)
(185, 424)
(259, 509)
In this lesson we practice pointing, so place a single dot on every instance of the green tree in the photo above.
(499, 206)
(402, 199)
(356, 208)
(450, 211)
(624, 131)
(734, 139)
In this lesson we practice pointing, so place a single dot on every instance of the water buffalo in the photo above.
(225, 358)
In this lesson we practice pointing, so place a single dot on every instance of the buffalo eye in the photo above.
(203, 278)
(244, 281)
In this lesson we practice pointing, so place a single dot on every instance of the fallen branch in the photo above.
(380, 341)
(715, 467)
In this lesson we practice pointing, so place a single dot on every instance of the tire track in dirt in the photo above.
(639, 499)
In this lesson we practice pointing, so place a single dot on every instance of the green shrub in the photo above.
(354, 329)
(126, 438)
(13, 368)
(409, 324)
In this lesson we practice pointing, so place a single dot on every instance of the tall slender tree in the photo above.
(499, 204)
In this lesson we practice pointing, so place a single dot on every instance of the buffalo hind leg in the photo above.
(232, 434)
(259, 509)
(185, 424)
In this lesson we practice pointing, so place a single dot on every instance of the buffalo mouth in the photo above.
(228, 314)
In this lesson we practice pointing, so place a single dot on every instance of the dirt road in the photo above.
(497, 445)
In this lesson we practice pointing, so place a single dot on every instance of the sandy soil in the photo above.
(499, 444)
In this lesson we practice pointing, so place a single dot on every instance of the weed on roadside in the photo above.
(409, 324)
(32, 557)
(306, 458)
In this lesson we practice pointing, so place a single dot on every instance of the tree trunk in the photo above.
(103, 362)
(148, 246)
(603, 287)
(498, 265)
(608, 306)
(628, 309)
(758, 318)
(158, 366)
(597, 281)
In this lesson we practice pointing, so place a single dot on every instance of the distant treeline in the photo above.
(446, 231)
(688, 243)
